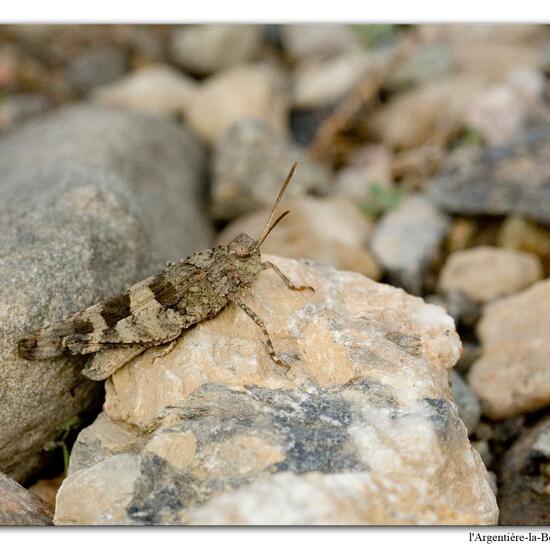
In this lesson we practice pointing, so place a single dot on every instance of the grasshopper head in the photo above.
(243, 246)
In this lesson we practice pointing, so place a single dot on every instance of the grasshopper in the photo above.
(158, 309)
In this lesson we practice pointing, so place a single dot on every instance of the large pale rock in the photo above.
(91, 201)
(248, 91)
(206, 49)
(361, 430)
(329, 230)
(406, 240)
(155, 89)
(511, 377)
(511, 179)
(250, 164)
(482, 274)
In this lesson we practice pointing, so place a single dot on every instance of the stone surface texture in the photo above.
(362, 430)
(20, 507)
(511, 179)
(91, 201)
(250, 164)
(406, 240)
(511, 376)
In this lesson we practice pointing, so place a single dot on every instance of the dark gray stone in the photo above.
(511, 179)
(407, 240)
(96, 67)
(91, 201)
(469, 407)
(524, 475)
(250, 164)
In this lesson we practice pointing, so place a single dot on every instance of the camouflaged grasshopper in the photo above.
(156, 310)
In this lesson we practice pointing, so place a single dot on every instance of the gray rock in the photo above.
(91, 200)
(524, 488)
(469, 407)
(206, 49)
(407, 240)
(16, 109)
(96, 67)
(251, 162)
(362, 429)
(511, 179)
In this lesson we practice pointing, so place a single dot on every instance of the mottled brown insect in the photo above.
(156, 311)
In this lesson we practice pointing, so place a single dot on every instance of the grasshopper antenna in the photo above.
(269, 226)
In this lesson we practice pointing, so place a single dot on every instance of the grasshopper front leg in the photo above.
(286, 280)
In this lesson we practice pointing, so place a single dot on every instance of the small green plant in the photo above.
(61, 440)
(382, 200)
(469, 136)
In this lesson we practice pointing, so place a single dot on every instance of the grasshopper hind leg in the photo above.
(268, 344)
(108, 361)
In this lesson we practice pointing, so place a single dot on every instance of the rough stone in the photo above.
(47, 489)
(479, 275)
(524, 495)
(428, 63)
(91, 201)
(249, 91)
(511, 376)
(406, 240)
(469, 408)
(318, 41)
(511, 179)
(206, 49)
(329, 230)
(16, 109)
(156, 89)
(520, 234)
(489, 51)
(96, 67)
(362, 430)
(318, 84)
(250, 164)
(20, 507)
(500, 112)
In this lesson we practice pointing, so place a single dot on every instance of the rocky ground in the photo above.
(420, 214)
